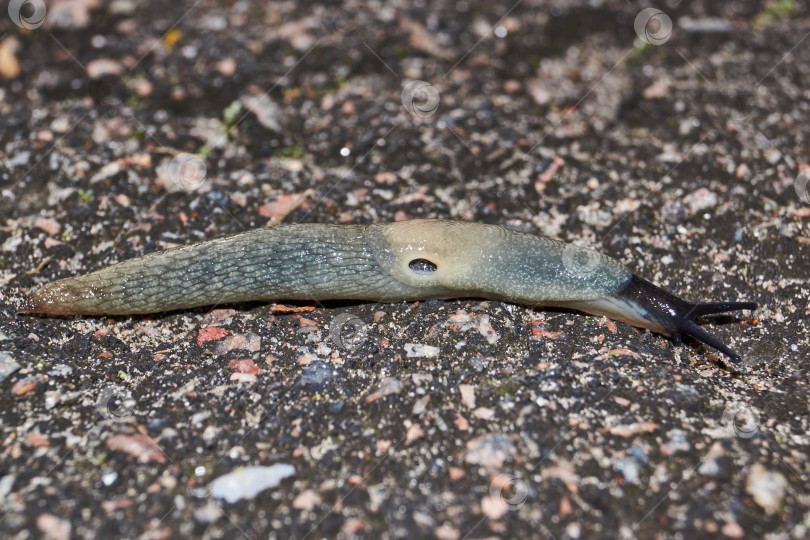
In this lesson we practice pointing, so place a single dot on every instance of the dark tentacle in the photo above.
(691, 329)
(699, 310)
(675, 316)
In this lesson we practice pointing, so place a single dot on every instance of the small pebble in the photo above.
(318, 375)
(336, 406)
(306, 500)
(248, 482)
(490, 451)
(53, 528)
(418, 350)
(109, 478)
(701, 199)
(249, 342)
(104, 66)
(7, 365)
(140, 446)
(766, 487)
(388, 386)
(467, 395)
(732, 529)
(630, 470)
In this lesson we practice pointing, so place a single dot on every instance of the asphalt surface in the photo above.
(674, 140)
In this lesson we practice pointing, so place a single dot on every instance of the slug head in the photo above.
(675, 316)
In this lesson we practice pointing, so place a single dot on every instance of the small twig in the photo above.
(41, 265)
(9, 278)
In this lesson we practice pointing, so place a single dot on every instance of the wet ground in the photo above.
(675, 140)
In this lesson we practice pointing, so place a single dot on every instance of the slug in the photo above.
(385, 262)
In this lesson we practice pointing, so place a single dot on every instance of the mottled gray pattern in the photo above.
(307, 262)
(330, 262)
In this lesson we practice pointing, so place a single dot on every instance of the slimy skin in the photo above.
(384, 262)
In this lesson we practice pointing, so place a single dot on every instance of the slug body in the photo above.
(385, 262)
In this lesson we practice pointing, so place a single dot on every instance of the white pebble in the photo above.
(248, 482)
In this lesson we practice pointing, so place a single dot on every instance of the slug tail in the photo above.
(68, 296)
(28, 305)
(668, 314)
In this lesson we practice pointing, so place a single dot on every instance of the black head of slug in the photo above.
(677, 316)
